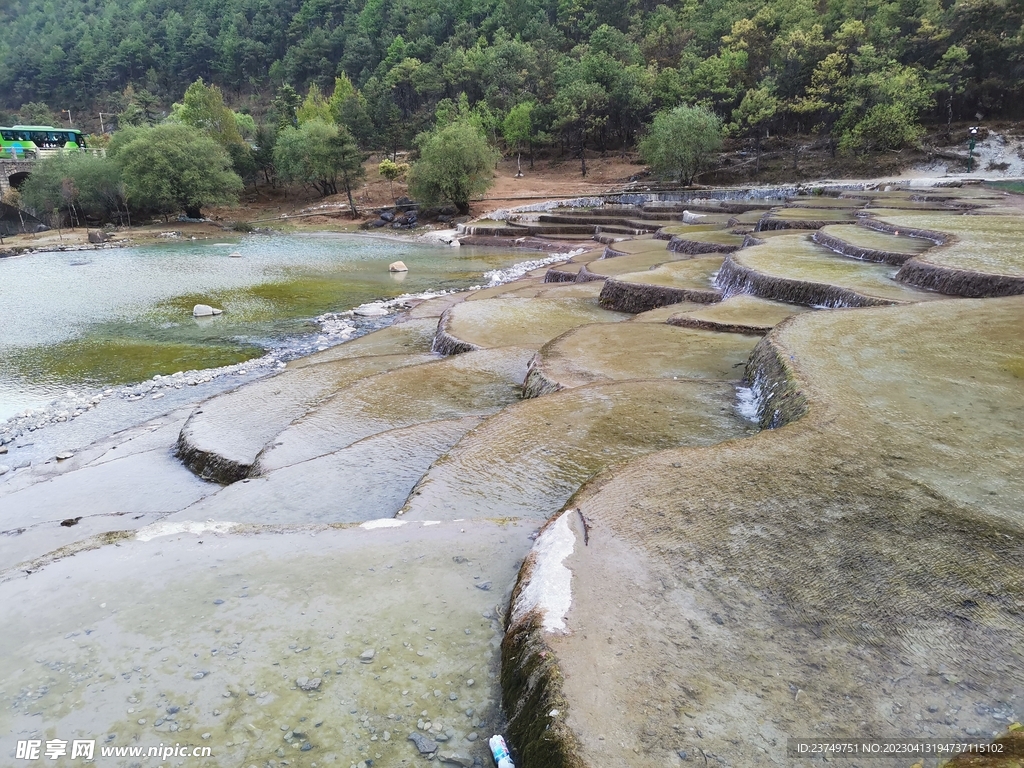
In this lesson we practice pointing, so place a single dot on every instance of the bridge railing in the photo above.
(41, 154)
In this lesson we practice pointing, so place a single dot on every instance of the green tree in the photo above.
(580, 106)
(37, 113)
(517, 129)
(320, 154)
(77, 185)
(681, 142)
(284, 106)
(758, 108)
(203, 108)
(392, 171)
(173, 167)
(314, 107)
(456, 163)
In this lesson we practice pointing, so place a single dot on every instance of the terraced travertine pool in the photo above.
(865, 237)
(797, 258)
(989, 244)
(750, 538)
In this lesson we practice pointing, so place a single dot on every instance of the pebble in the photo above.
(198, 675)
(367, 656)
(65, 455)
(453, 697)
(485, 586)
(473, 736)
(470, 682)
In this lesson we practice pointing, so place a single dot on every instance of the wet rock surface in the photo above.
(856, 568)
(686, 583)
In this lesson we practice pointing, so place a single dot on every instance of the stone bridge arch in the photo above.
(13, 174)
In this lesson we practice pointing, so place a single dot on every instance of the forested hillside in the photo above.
(863, 72)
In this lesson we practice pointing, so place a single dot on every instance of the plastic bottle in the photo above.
(500, 751)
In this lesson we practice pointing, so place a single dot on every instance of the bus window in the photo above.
(7, 135)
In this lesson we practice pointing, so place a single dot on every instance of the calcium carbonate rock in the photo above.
(205, 310)
(397, 266)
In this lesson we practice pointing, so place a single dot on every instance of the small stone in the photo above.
(198, 675)
(423, 744)
(207, 735)
(453, 758)
(473, 736)
(453, 696)
(683, 755)
(470, 682)
(387, 735)
(305, 684)
(397, 266)
(142, 721)
(218, 601)
(484, 585)
(64, 455)
(306, 746)
(367, 656)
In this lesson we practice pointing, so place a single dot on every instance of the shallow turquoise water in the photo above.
(99, 318)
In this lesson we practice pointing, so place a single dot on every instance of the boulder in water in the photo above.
(235, 255)
(205, 310)
(397, 266)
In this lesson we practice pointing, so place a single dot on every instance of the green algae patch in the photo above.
(737, 314)
(620, 351)
(877, 535)
(99, 360)
(493, 323)
(531, 457)
(796, 270)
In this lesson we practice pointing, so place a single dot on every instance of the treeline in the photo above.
(204, 152)
(862, 73)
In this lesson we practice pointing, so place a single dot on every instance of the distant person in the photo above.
(14, 153)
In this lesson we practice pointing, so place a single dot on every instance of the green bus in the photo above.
(28, 141)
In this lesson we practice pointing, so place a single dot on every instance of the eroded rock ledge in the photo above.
(446, 344)
(863, 254)
(958, 282)
(734, 277)
(625, 296)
